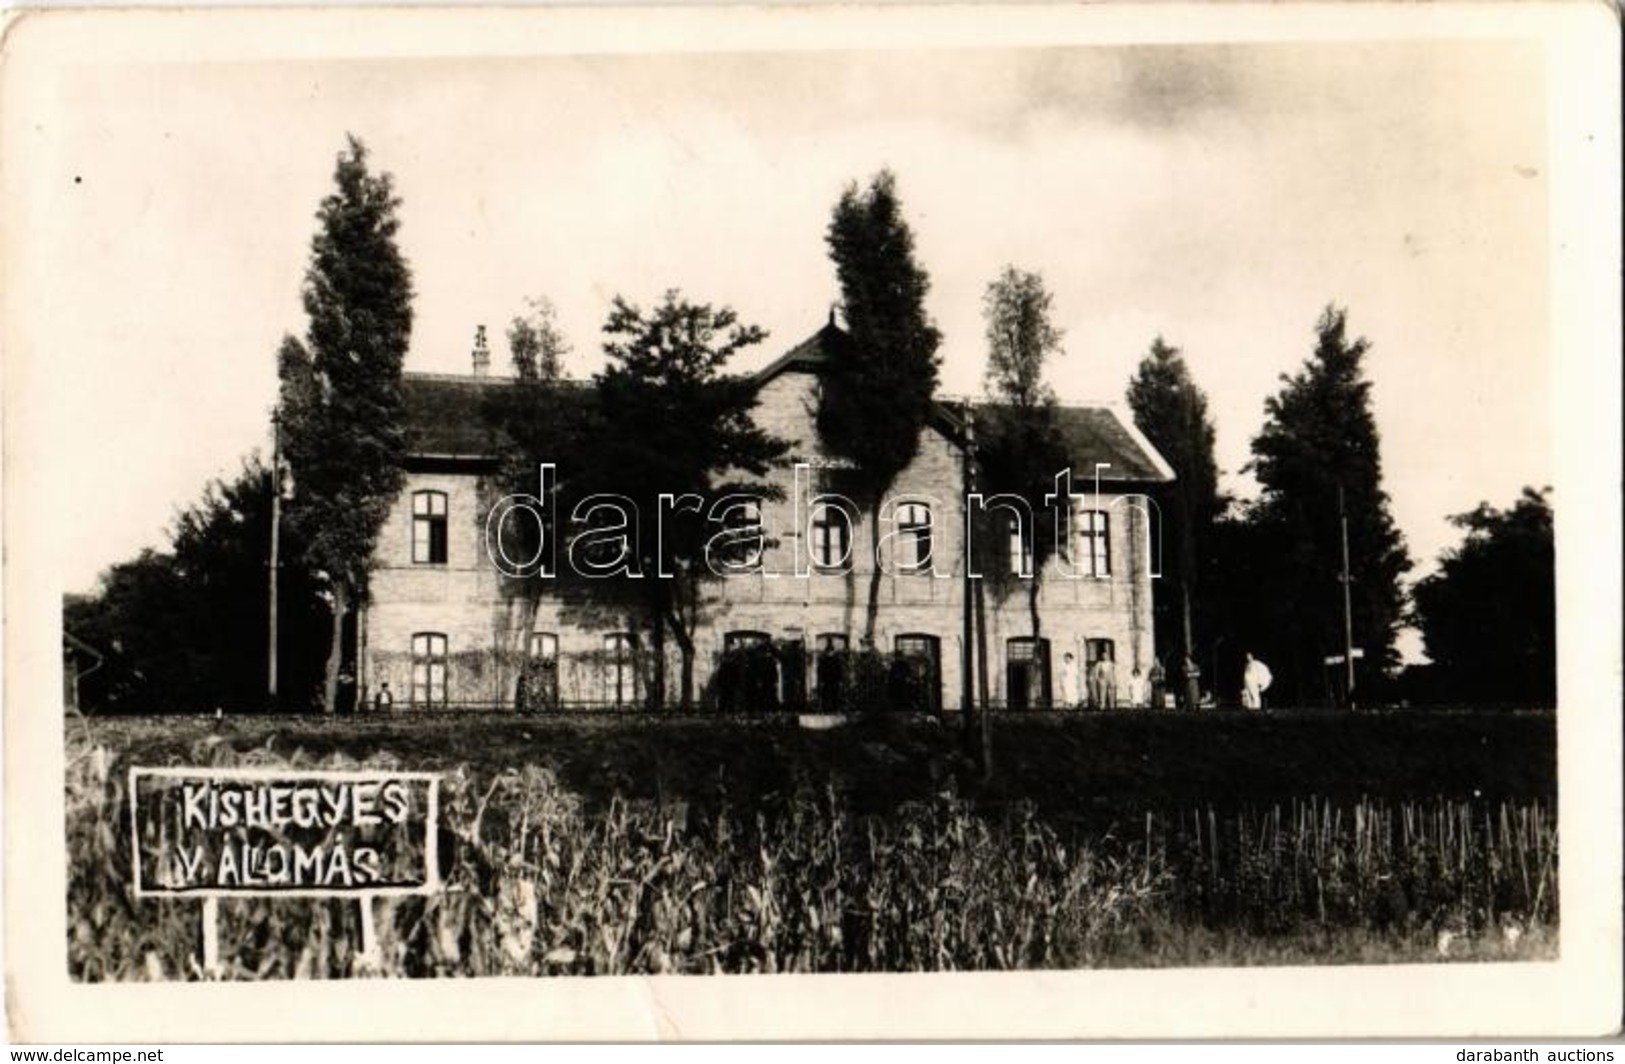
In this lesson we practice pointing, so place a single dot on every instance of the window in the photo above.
(915, 684)
(429, 527)
(1027, 674)
(620, 671)
(914, 538)
(428, 669)
(831, 643)
(538, 684)
(748, 675)
(1021, 550)
(829, 671)
(831, 536)
(1094, 546)
(746, 551)
(732, 641)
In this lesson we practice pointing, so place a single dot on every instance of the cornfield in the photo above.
(1452, 866)
(537, 883)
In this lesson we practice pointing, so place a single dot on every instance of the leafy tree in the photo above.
(138, 619)
(1021, 338)
(1172, 411)
(542, 418)
(1020, 444)
(1316, 457)
(1489, 615)
(185, 630)
(674, 423)
(878, 392)
(536, 344)
(664, 418)
(341, 392)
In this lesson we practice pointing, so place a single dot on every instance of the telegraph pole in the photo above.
(975, 625)
(967, 689)
(274, 564)
(1348, 610)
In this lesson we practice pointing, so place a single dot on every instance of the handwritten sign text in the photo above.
(283, 831)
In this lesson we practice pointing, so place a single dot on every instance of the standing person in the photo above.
(1101, 683)
(1069, 681)
(384, 701)
(1136, 689)
(1159, 684)
(1255, 680)
(1193, 684)
(829, 679)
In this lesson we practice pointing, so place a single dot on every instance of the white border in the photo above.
(1578, 995)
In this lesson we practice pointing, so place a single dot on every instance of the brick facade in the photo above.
(460, 598)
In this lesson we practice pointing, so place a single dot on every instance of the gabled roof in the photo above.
(809, 356)
(1104, 434)
(447, 418)
(446, 415)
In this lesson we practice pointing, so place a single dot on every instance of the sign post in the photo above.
(283, 832)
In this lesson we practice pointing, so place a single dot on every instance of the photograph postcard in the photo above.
(812, 522)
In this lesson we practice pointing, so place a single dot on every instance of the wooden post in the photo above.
(211, 938)
(370, 959)
(1348, 610)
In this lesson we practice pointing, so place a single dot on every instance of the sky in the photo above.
(1218, 195)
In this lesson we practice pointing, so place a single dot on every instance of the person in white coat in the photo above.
(1069, 681)
(1255, 680)
(1136, 689)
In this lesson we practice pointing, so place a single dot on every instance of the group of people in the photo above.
(1100, 689)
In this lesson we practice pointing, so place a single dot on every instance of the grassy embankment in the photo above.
(633, 845)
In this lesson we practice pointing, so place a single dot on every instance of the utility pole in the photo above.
(975, 628)
(967, 688)
(275, 562)
(1348, 609)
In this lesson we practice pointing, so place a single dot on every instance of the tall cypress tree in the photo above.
(341, 389)
(1318, 457)
(878, 392)
(1172, 412)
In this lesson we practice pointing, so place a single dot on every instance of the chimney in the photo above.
(482, 353)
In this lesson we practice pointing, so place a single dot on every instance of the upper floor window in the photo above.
(914, 537)
(1094, 546)
(831, 536)
(428, 669)
(1021, 550)
(746, 551)
(429, 527)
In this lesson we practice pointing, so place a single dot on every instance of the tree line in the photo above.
(185, 629)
